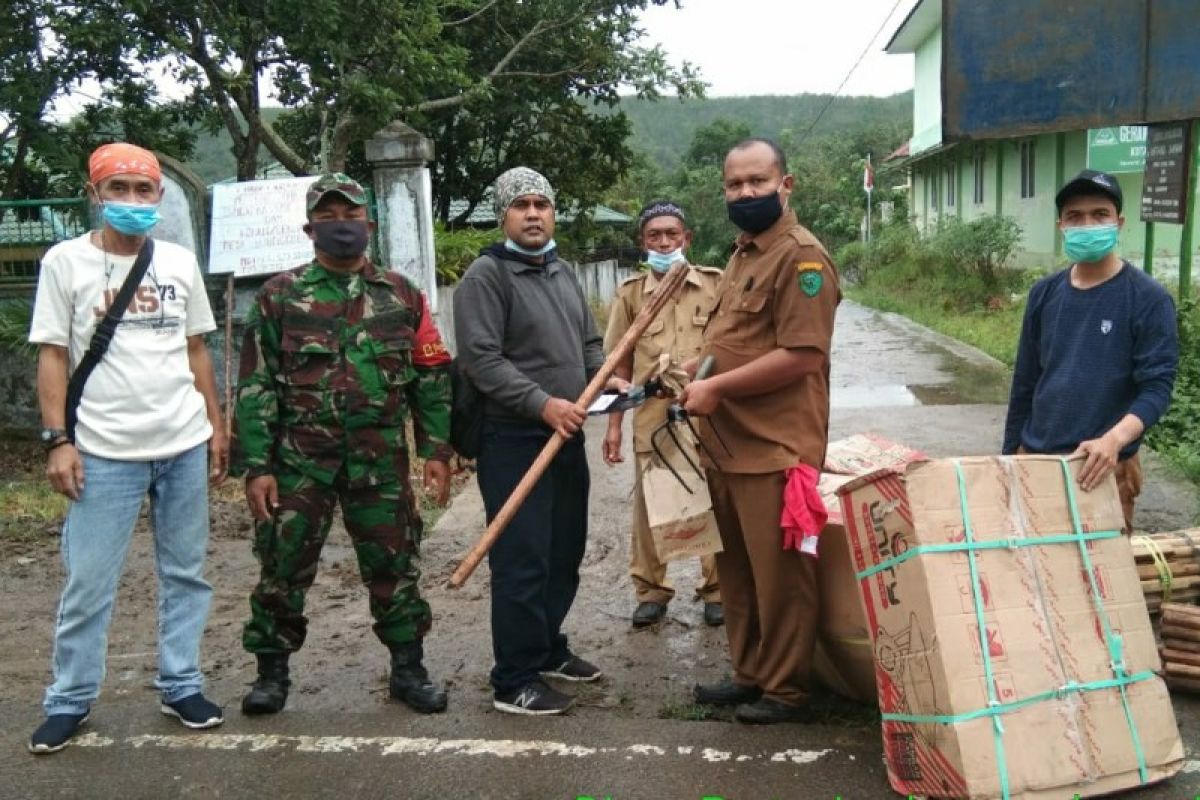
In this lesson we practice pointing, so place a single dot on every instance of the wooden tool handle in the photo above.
(665, 291)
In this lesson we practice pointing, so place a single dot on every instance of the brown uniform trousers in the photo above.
(679, 332)
(779, 291)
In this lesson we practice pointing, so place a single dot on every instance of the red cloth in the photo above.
(804, 513)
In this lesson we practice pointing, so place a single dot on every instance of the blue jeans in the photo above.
(95, 542)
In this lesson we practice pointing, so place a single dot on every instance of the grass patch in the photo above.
(27, 509)
(685, 709)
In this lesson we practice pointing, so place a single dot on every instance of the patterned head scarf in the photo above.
(660, 208)
(517, 182)
(120, 158)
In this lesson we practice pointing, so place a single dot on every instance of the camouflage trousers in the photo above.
(385, 529)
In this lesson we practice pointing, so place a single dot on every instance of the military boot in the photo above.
(410, 680)
(270, 690)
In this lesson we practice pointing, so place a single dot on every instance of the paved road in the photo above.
(890, 377)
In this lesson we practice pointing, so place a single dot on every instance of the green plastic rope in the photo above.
(996, 709)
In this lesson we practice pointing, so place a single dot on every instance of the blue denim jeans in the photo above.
(95, 542)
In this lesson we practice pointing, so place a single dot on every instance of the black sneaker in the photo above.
(575, 669)
(194, 712)
(534, 698)
(714, 614)
(55, 732)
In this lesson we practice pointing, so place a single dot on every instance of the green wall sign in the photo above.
(1120, 149)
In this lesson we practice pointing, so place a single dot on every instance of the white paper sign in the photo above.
(257, 227)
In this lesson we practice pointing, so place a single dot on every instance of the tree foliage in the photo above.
(47, 50)
(828, 169)
(466, 70)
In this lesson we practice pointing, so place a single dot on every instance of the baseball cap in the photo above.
(338, 182)
(1090, 181)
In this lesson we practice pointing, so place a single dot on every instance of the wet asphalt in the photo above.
(890, 377)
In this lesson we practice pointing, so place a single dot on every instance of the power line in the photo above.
(842, 85)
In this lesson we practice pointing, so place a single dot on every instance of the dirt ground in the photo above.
(342, 667)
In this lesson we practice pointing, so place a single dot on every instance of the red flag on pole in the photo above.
(868, 176)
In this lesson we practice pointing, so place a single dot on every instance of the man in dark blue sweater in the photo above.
(1099, 348)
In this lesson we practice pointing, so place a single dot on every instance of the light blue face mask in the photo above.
(525, 251)
(131, 219)
(661, 262)
(1090, 243)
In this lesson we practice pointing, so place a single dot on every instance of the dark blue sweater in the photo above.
(1087, 358)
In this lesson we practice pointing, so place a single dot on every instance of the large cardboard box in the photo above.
(1054, 694)
(844, 660)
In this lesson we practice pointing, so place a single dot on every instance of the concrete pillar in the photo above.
(398, 156)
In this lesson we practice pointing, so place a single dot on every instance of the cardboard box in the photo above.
(1045, 640)
(844, 660)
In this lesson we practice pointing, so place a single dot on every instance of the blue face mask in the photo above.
(131, 219)
(525, 251)
(661, 262)
(1090, 243)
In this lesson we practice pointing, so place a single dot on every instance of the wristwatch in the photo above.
(52, 437)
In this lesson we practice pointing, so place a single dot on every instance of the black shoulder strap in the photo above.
(103, 334)
(505, 279)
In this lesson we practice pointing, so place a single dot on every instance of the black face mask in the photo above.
(341, 239)
(755, 214)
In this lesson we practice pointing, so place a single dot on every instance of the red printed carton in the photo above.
(1013, 652)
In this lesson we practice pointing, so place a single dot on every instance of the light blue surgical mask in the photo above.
(131, 219)
(525, 251)
(1090, 243)
(661, 262)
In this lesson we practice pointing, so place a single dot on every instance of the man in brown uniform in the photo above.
(678, 333)
(768, 399)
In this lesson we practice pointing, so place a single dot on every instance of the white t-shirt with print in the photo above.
(141, 401)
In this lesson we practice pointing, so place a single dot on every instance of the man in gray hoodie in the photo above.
(527, 340)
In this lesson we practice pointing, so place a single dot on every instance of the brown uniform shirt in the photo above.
(678, 330)
(780, 289)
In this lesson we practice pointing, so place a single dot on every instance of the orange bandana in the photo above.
(120, 158)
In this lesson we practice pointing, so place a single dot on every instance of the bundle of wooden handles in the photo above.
(1181, 646)
(1168, 566)
(666, 289)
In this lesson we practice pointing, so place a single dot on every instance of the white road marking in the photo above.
(1190, 766)
(403, 745)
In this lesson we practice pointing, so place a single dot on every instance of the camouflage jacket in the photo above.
(331, 366)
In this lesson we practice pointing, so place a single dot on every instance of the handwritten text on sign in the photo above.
(257, 227)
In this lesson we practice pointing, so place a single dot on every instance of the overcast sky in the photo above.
(784, 46)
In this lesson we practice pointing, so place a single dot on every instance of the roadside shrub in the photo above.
(454, 250)
(851, 261)
(1177, 434)
(15, 318)
(983, 246)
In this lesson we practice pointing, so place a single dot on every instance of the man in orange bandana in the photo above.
(148, 423)
(120, 158)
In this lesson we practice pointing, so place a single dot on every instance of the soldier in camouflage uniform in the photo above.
(336, 355)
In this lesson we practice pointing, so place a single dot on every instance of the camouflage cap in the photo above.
(517, 182)
(338, 182)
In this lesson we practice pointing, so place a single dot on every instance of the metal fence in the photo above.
(28, 228)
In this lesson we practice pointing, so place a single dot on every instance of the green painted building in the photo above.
(1017, 177)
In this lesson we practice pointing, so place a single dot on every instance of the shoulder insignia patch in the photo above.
(810, 282)
(809, 266)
